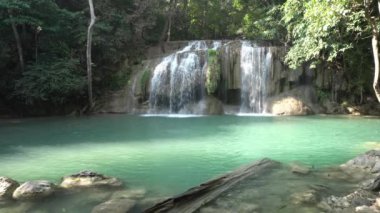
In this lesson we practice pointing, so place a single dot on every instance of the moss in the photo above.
(213, 71)
(144, 80)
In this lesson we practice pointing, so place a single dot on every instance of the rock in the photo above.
(89, 179)
(370, 162)
(358, 198)
(307, 197)
(373, 184)
(151, 201)
(213, 210)
(130, 193)
(248, 208)
(366, 209)
(207, 106)
(333, 107)
(377, 203)
(7, 187)
(21, 207)
(115, 206)
(299, 169)
(33, 190)
(290, 106)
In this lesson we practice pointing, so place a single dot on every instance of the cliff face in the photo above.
(173, 76)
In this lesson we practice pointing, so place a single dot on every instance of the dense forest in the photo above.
(43, 42)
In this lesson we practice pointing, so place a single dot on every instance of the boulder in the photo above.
(33, 190)
(368, 162)
(89, 179)
(7, 187)
(115, 206)
(298, 101)
(290, 106)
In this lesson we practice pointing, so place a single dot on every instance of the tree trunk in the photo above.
(18, 41)
(375, 47)
(89, 62)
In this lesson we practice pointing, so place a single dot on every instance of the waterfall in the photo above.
(256, 64)
(178, 80)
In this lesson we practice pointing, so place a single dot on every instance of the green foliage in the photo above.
(213, 71)
(144, 80)
(54, 82)
(319, 30)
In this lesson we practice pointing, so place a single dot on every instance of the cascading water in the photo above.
(256, 64)
(179, 79)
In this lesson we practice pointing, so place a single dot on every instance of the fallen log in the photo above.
(199, 196)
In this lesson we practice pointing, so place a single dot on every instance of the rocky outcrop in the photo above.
(89, 179)
(368, 162)
(34, 190)
(115, 206)
(7, 187)
(298, 101)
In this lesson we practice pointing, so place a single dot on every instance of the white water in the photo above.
(178, 80)
(256, 63)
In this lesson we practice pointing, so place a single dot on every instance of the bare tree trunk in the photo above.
(18, 42)
(375, 47)
(89, 62)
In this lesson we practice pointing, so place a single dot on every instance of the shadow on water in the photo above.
(113, 128)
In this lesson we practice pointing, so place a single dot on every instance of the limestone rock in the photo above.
(7, 187)
(89, 179)
(115, 206)
(33, 190)
(290, 106)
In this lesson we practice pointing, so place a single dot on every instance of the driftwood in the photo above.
(199, 196)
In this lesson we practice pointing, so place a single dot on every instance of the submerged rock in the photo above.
(7, 187)
(306, 197)
(130, 193)
(33, 190)
(89, 179)
(115, 206)
(297, 168)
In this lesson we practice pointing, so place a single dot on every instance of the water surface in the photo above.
(167, 155)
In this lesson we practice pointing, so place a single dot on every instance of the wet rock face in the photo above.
(89, 179)
(7, 187)
(34, 190)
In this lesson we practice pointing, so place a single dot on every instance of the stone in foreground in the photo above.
(89, 179)
(34, 190)
(115, 206)
(7, 187)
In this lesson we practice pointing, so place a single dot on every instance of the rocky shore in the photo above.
(352, 187)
